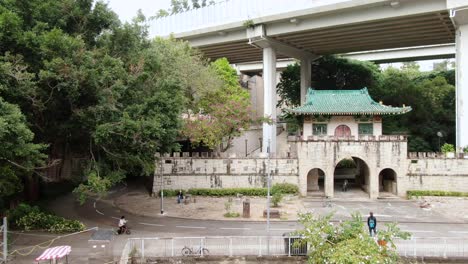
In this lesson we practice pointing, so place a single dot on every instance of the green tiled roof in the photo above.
(344, 102)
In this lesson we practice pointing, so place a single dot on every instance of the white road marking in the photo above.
(115, 217)
(379, 215)
(459, 232)
(282, 229)
(419, 231)
(150, 224)
(389, 204)
(196, 227)
(99, 212)
(235, 228)
(94, 204)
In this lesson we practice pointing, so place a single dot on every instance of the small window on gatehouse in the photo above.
(319, 129)
(366, 129)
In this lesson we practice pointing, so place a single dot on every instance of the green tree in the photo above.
(226, 110)
(179, 6)
(348, 241)
(19, 156)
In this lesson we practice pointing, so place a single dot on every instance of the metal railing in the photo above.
(212, 246)
(143, 248)
(227, 12)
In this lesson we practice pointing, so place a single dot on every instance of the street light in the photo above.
(439, 134)
(162, 186)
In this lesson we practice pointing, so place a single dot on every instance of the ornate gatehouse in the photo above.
(342, 146)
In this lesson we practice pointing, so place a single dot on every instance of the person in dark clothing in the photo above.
(180, 196)
(372, 224)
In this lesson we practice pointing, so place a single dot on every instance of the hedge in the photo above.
(418, 193)
(28, 217)
(284, 188)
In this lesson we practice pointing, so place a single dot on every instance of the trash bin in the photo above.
(290, 247)
(246, 209)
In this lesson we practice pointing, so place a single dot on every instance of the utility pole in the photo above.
(162, 185)
(268, 197)
(5, 242)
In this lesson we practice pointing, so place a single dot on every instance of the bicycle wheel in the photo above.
(186, 251)
(206, 252)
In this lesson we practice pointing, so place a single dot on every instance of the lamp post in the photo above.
(268, 197)
(162, 187)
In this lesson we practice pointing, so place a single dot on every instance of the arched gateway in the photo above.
(347, 125)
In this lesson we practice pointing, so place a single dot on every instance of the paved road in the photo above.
(419, 222)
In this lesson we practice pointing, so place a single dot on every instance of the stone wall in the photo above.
(436, 174)
(195, 172)
(377, 155)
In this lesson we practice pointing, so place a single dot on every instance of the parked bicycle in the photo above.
(186, 251)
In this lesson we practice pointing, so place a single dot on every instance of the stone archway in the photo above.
(315, 180)
(388, 181)
(353, 173)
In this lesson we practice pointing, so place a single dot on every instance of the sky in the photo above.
(127, 9)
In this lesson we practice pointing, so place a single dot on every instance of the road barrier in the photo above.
(142, 248)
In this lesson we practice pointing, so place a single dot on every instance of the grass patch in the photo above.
(231, 215)
(417, 193)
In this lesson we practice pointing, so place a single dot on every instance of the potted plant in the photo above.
(465, 152)
(448, 150)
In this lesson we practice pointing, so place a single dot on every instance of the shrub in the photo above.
(231, 214)
(276, 199)
(28, 217)
(285, 188)
(447, 148)
(465, 149)
(418, 193)
(229, 191)
(169, 193)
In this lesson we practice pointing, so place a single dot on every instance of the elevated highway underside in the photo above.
(352, 29)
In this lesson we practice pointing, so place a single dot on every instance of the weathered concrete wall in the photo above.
(436, 174)
(421, 172)
(187, 172)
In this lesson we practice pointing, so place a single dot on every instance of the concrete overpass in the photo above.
(267, 30)
(432, 52)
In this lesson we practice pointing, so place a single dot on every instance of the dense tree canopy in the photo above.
(431, 95)
(79, 83)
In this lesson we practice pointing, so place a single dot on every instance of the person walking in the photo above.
(372, 224)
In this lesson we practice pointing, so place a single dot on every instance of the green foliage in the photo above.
(179, 6)
(97, 185)
(276, 199)
(28, 218)
(465, 149)
(169, 193)
(346, 163)
(248, 23)
(419, 193)
(285, 188)
(447, 148)
(91, 87)
(224, 111)
(346, 242)
(231, 215)
(229, 192)
(289, 87)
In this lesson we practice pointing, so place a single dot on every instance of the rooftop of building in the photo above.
(344, 102)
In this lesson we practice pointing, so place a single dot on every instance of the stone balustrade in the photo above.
(398, 138)
(224, 155)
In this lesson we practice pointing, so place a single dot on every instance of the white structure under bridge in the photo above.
(267, 30)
